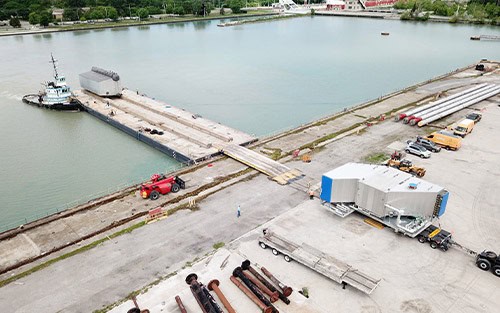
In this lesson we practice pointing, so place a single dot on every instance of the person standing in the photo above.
(238, 212)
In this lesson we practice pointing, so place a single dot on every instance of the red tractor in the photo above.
(161, 184)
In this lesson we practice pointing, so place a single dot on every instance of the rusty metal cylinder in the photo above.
(214, 285)
(245, 265)
(272, 295)
(245, 290)
(180, 304)
(202, 296)
(238, 272)
(286, 290)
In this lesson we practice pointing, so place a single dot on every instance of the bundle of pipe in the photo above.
(245, 265)
(202, 295)
(477, 94)
(407, 116)
(268, 307)
(249, 294)
(431, 119)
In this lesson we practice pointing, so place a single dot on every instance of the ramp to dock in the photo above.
(275, 170)
(320, 262)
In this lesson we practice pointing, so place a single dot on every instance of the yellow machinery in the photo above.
(406, 166)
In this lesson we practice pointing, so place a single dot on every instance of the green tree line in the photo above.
(40, 11)
(476, 10)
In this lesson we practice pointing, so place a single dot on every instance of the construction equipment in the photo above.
(318, 261)
(161, 184)
(489, 260)
(406, 166)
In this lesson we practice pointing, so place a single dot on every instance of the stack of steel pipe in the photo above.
(409, 115)
(252, 291)
(435, 110)
(267, 285)
(205, 300)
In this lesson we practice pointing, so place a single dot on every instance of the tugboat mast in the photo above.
(54, 62)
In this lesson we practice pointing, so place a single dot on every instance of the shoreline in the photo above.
(136, 24)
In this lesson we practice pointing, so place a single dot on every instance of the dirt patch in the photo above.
(415, 306)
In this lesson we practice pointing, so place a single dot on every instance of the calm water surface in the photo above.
(259, 78)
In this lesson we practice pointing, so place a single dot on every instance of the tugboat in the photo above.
(57, 95)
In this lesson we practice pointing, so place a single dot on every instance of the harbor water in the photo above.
(260, 78)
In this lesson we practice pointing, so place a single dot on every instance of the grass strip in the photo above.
(70, 254)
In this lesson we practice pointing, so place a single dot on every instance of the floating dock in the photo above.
(187, 137)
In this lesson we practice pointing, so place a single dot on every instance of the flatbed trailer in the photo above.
(319, 262)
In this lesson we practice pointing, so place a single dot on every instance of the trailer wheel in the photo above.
(483, 264)
(154, 195)
(262, 245)
(287, 258)
(275, 252)
(421, 239)
(433, 245)
(444, 248)
(175, 188)
(496, 270)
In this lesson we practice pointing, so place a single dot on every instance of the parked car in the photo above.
(415, 149)
(427, 144)
(474, 116)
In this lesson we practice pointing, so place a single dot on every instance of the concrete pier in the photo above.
(187, 137)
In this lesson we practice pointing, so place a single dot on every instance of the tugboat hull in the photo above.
(73, 105)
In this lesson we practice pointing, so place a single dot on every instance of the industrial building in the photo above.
(101, 82)
(397, 199)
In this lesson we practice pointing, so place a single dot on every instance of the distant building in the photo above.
(335, 5)
(57, 14)
(102, 82)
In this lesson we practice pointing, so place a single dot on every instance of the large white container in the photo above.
(380, 190)
(101, 82)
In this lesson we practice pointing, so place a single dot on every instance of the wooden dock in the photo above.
(187, 137)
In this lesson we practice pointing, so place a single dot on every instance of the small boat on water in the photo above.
(56, 96)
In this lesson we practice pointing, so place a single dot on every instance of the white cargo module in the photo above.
(102, 82)
(397, 199)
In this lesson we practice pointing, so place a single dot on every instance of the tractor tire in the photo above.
(420, 174)
(434, 245)
(287, 258)
(154, 195)
(175, 188)
(444, 248)
(275, 252)
(262, 245)
(483, 264)
(421, 239)
(496, 270)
